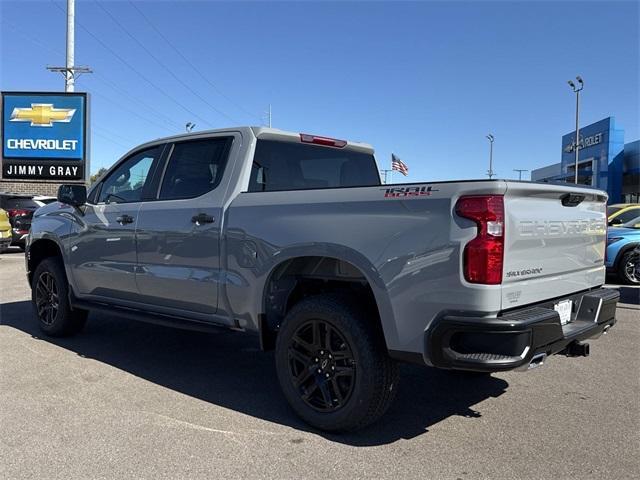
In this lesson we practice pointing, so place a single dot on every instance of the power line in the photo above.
(103, 136)
(109, 83)
(167, 69)
(195, 69)
(145, 105)
(114, 134)
(132, 68)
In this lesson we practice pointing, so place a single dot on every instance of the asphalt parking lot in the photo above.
(132, 400)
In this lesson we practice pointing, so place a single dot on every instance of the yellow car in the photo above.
(622, 213)
(5, 230)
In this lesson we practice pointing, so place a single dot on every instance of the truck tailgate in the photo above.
(552, 248)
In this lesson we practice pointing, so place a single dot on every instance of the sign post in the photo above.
(44, 137)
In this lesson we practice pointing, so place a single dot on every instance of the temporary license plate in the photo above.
(564, 310)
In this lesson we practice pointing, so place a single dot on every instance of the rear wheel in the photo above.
(50, 297)
(628, 268)
(332, 364)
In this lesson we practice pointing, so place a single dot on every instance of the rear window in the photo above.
(296, 166)
(18, 203)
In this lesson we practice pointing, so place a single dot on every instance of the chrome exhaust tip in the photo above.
(537, 360)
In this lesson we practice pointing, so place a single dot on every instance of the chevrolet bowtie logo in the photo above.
(42, 115)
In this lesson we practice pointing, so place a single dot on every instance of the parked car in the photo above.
(293, 237)
(20, 209)
(622, 213)
(44, 199)
(621, 258)
(5, 230)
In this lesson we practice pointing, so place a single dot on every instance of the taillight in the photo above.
(483, 256)
(16, 212)
(326, 141)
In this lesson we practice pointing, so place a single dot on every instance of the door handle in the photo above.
(202, 218)
(124, 219)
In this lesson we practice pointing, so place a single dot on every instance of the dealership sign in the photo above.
(44, 136)
(585, 142)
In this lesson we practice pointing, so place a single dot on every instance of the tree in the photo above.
(96, 175)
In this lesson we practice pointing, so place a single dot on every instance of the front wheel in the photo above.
(628, 270)
(332, 364)
(50, 297)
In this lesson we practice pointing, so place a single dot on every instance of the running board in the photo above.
(155, 318)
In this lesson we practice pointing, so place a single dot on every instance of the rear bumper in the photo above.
(519, 338)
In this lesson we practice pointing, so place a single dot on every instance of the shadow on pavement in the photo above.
(229, 370)
(630, 295)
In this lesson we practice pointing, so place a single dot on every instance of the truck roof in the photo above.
(262, 133)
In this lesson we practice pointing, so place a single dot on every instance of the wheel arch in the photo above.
(40, 249)
(306, 271)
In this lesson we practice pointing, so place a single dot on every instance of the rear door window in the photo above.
(195, 167)
(295, 166)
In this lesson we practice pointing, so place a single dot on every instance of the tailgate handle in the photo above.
(572, 199)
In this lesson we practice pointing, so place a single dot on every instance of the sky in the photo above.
(424, 80)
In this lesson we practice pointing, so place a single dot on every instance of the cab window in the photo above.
(194, 168)
(126, 183)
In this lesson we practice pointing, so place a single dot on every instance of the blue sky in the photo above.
(425, 80)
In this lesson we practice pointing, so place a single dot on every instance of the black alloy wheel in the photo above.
(47, 299)
(332, 363)
(50, 298)
(321, 366)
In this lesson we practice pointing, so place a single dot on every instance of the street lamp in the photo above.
(189, 126)
(491, 138)
(576, 146)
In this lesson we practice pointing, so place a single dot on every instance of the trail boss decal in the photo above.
(401, 192)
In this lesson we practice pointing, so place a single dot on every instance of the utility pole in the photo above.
(269, 115)
(385, 172)
(520, 170)
(576, 145)
(70, 71)
(491, 138)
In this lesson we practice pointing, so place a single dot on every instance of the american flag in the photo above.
(398, 165)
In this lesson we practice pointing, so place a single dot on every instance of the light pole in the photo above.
(491, 139)
(576, 146)
(520, 170)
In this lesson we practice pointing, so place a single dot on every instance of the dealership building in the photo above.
(605, 161)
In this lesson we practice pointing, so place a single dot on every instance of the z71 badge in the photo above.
(417, 191)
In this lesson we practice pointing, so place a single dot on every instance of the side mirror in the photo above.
(615, 221)
(74, 195)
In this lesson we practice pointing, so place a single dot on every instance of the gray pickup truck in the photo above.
(292, 237)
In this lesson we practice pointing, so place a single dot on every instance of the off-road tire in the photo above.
(57, 319)
(375, 374)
